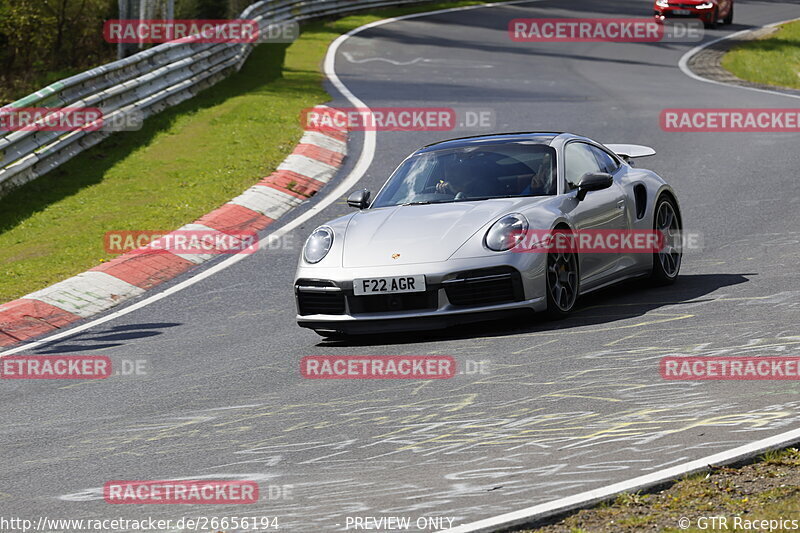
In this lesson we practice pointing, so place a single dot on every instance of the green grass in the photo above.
(774, 60)
(185, 162)
(765, 490)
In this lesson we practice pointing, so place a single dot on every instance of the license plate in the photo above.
(681, 11)
(390, 285)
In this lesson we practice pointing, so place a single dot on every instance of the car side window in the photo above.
(606, 162)
(579, 159)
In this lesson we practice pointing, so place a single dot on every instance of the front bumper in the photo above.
(684, 12)
(457, 291)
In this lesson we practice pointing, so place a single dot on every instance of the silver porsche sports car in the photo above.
(446, 239)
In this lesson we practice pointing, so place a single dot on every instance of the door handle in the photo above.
(621, 204)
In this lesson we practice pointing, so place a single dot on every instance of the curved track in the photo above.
(565, 407)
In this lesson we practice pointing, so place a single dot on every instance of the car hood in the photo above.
(416, 233)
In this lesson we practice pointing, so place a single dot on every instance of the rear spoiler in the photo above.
(629, 151)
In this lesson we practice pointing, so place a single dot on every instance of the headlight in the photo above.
(707, 5)
(662, 3)
(506, 232)
(318, 244)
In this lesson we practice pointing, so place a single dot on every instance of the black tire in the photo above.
(714, 20)
(562, 284)
(667, 262)
(729, 18)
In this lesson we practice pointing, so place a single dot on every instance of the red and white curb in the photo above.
(312, 164)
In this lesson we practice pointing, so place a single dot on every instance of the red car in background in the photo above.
(709, 11)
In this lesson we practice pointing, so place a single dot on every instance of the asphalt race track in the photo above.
(563, 407)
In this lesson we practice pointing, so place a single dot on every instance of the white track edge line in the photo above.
(593, 496)
(683, 64)
(361, 167)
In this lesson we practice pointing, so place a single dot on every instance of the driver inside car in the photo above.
(540, 183)
(465, 180)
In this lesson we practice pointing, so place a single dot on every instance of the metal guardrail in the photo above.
(143, 85)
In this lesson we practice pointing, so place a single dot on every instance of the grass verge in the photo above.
(774, 60)
(185, 162)
(765, 490)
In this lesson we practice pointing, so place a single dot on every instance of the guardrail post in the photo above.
(142, 16)
(129, 10)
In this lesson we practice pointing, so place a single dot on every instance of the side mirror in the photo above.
(593, 181)
(359, 199)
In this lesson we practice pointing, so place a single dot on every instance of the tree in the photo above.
(53, 34)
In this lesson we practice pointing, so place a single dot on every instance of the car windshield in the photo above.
(525, 168)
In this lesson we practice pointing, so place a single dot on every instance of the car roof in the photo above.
(495, 138)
